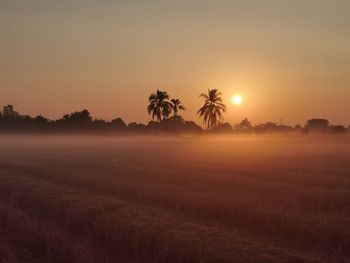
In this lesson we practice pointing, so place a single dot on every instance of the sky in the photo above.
(290, 60)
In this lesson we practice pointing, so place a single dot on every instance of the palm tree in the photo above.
(213, 108)
(159, 105)
(176, 106)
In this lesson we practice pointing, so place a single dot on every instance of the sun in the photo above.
(237, 99)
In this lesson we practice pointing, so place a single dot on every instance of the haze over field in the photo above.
(174, 199)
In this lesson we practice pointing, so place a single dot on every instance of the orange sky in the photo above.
(289, 59)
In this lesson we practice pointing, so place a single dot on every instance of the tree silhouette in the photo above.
(244, 125)
(176, 106)
(338, 129)
(159, 105)
(78, 119)
(213, 108)
(317, 125)
(118, 123)
(40, 121)
(9, 113)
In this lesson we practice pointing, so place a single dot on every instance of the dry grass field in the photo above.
(175, 199)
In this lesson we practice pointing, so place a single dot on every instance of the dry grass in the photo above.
(147, 199)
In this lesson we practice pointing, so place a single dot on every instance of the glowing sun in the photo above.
(237, 99)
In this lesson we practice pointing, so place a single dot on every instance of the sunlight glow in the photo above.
(237, 99)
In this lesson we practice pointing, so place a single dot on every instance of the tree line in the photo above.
(165, 114)
(212, 112)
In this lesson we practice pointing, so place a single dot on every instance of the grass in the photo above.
(201, 199)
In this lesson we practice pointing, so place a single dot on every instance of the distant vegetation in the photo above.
(165, 114)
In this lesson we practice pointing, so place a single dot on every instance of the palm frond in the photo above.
(213, 108)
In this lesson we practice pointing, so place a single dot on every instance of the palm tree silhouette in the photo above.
(176, 106)
(159, 105)
(213, 108)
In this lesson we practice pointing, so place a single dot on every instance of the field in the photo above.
(174, 199)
